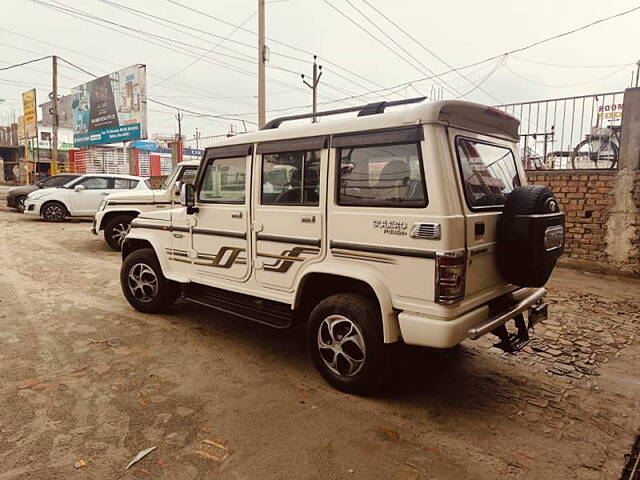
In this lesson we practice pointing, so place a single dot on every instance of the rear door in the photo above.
(487, 172)
(289, 209)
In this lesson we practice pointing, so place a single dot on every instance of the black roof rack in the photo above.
(369, 109)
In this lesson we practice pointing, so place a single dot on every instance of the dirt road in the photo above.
(85, 378)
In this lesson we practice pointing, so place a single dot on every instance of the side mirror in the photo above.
(188, 197)
(79, 188)
(177, 188)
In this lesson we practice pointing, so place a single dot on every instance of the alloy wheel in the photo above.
(20, 204)
(143, 282)
(53, 213)
(341, 346)
(119, 232)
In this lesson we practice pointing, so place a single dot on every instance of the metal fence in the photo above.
(570, 133)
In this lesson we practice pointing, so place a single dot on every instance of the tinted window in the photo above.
(388, 175)
(188, 175)
(124, 183)
(224, 181)
(488, 172)
(291, 178)
(94, 183)
(56, 181)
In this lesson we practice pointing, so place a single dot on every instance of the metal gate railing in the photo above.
(580, 132)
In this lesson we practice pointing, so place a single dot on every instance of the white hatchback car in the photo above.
(80, 197)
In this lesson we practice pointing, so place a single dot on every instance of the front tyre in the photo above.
(143, 284)
(116, 230)
(345, 342)
(20, 203)
(53, 212)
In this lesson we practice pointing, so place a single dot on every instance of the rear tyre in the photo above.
(345, 342)
(20, 203)
(116, 230)
(143, 284)
(53, 212)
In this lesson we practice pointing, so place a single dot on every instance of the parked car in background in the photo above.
(118, 209)
(17, 196)
(80, 197)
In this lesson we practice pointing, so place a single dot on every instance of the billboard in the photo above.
(111, 109)
(30, 113)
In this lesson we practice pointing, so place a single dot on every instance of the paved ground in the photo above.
(86, 379)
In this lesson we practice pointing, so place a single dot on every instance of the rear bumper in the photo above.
(418, 329)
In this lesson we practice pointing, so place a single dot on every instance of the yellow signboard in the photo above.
(30, 112)
(21, 132)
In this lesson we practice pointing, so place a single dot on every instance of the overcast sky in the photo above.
(222, 80)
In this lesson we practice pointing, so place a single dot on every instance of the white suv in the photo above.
(412, 226)
(79, 197)
(115, 212)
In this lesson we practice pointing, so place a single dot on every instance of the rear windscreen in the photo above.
(488, 172)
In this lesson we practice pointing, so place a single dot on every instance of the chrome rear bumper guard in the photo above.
(502, 318)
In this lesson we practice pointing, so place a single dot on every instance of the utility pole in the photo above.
(54, 115)
(197, 137)
(261, 73)
(180, 151)
(637, 72)
(317, 73)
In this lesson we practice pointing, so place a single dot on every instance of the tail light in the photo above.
(450, 276)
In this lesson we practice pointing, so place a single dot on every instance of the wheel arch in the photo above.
(321, 282)
(139, 241)
(54, 200)
(109, 214)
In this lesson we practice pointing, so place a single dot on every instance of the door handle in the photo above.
(236, 214)
(308, 219)
(104, 193)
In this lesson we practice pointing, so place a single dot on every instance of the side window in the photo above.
(56, 181)
(188, 175)
(224, 181)
(95, 183)
(123, 183)
(381, 176)
(488, 172)
(291, 178)
(133, 184)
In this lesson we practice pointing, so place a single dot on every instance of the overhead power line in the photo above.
(278, 42)
(428, 50)
(25, 63)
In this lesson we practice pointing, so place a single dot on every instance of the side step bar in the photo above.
(502, 318)
(267, 312)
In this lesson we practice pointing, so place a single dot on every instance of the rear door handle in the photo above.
(308, 219)
(236, 214)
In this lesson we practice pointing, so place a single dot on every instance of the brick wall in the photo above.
(587, 198)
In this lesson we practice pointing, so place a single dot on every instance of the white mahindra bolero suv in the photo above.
(115, 212)
(412, 226)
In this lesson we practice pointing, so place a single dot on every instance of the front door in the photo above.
(212, 244)
(289, 209)
(86, 202)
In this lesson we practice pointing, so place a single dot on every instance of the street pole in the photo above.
(317, 73)
(179, 117)
(637, 72)
(54, 114)
(261, 70)
(197, 137)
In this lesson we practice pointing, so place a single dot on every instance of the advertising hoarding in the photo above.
(30, 113)
(111, 109)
